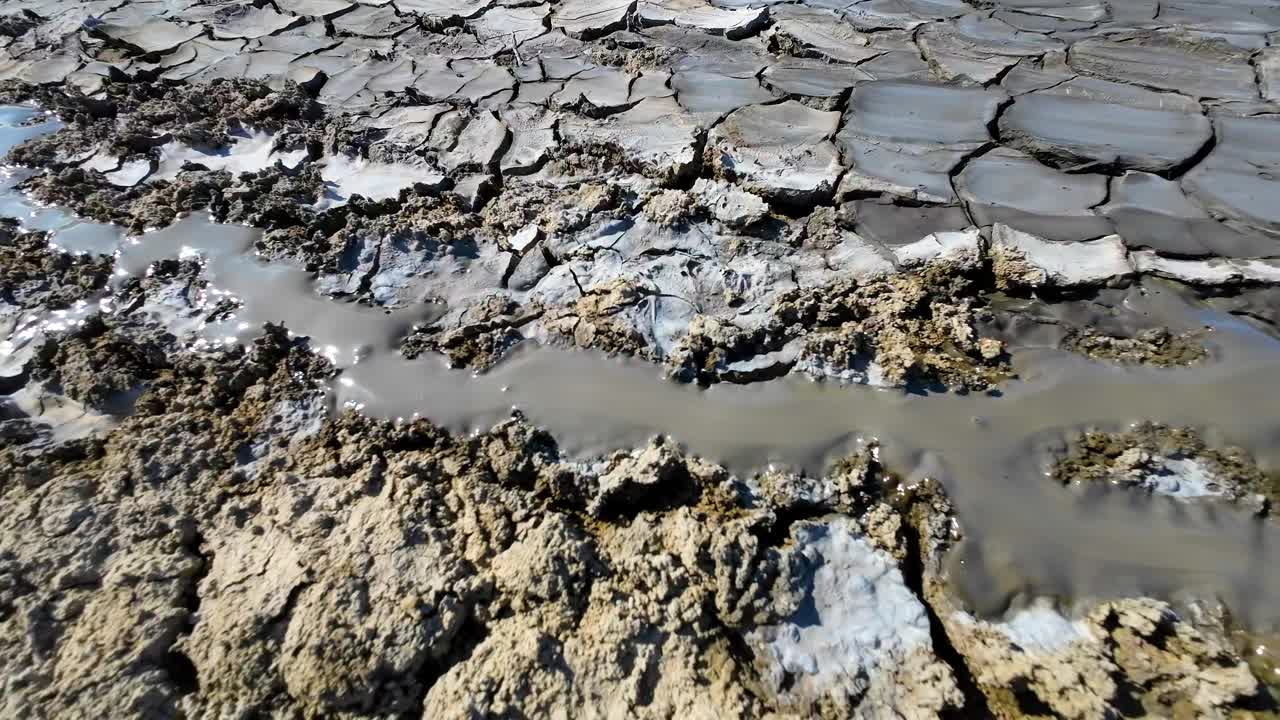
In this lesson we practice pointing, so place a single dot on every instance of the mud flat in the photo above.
(449, 359)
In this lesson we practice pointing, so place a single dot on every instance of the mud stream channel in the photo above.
(1024, 534)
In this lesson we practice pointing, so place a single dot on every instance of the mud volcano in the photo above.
(660, 358)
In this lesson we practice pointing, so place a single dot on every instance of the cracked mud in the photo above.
(709, 358)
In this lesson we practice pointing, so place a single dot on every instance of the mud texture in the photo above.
(1174, 461)
(131, 124)
(35, 275)
(1087, 658)
(908, 194)
(1156, 346)
(610, 181)
(708, 281)
(227, 548)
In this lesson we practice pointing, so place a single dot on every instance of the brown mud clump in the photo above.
(95, 363)
(591, 320)
(1171, 461)
(487, 330)
(130, 122)
(916, 327)
(1156, 347)
(1012, 269)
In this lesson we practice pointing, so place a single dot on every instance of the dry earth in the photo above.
(899, 193)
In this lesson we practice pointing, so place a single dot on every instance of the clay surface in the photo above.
(666, 358)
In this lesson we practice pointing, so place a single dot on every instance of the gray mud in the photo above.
(1024, 537)
(449, 358)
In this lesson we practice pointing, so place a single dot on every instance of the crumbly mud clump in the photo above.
(1157, 347)
(1174, 461)
(1128, 657)
(712, 348)
(1262, 652)
(917, 328)
(521, 204)
(911, 328)
(274, 198)
(669, 207)
(1012, 270)
(34, 275)
(591, 321)
(134, 117)
(94, 365)
(328, 242)
(632, 60)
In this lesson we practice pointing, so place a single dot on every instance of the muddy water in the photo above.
(1023, 532)
(19, 123)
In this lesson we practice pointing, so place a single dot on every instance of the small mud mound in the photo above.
(1172, 461)
(1156, 347)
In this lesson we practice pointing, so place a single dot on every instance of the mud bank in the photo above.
(595, 405)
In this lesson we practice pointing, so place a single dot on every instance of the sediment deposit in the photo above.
(460, 358)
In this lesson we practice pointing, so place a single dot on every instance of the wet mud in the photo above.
(432, 359)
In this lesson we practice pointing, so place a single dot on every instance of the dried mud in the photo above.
(237, 479)
(1130, 657)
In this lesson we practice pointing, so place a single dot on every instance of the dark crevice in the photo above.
(993, 125)
(176, 664)
(1029, 703)
(690, 175)
(745, 658)
(959, 168)
(1106, 197)
(996, 81)
(366, 282)
(915, 40)
(1257, 72)
(279, 623)
(182, 672)
(10, 384)
(1182, 168)
(975, 702)
(469, 636)
(1127, 699)
(779, 533)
